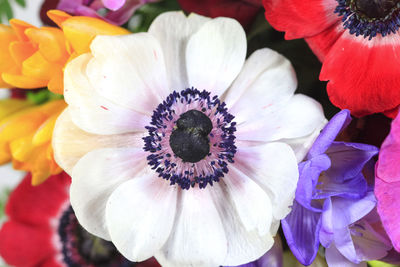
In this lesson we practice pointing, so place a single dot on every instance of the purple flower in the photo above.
(332, 195)
(120, 10)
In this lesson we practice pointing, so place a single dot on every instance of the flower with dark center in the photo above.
(358, 42)
(180, 148)
(42, 230)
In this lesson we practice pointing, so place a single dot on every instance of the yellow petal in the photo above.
(40, 169)
(45, 131)
(5, 153)
(36, 66)
(22, 81)
(80, 31)
(11, 105)
(51, 43)
(22, 148)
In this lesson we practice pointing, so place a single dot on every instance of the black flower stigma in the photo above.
(189, 140)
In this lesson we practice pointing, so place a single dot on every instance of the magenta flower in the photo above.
(387, 183)
(120, 10)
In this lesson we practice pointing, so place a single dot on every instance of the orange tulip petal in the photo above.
(22, 148)
(51, 43)
(56, 83)
(20, 51)
(19, 27)
(7, 36)
(80, 31)
(58, 16)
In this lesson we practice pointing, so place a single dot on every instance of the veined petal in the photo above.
(172, 30)
(90, 191)
(215, 55)
(300, 19)
(140, 215)
(301, 228)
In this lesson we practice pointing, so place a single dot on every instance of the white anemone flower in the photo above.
(180, 148)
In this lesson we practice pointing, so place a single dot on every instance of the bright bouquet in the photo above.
(178, 133)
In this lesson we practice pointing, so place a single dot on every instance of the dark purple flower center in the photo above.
(191, 139)
(370, 18)
(375, 9)
(80, 248)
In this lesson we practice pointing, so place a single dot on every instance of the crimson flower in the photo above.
(243, 11)
(358, 42)
(42, 230)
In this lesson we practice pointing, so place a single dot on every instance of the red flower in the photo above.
(42, 230)
(358, 42)
(244, 11)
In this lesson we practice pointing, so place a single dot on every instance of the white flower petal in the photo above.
(215, 55)
(298, 117)
(70, 143)
(252, 203)
(198, 238)
(243, 246)
(172, 30)
(134, 75)
(95, 177)
(267, 79)
(140, 214)
(92, 112)
(301, 145)
(273, 166)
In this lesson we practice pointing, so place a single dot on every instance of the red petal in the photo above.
(300, 18)
(242, 11)
(38, 204)
(321, 43)
(362, 74)
(22, 245)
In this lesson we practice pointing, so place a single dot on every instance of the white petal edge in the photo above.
(140, 215)
(94, 179)
(273, 166)
(252, 203)
(134, 75)
(172, 30)
(243, 246)
(267, 78)
(298, 117)
(92, 112)
(215, 55)
(70, 143)
(198, 238)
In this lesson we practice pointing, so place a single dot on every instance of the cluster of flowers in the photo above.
(175, 147)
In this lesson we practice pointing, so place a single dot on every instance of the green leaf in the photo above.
(21, 3)
(6, 12)
(380, 264)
